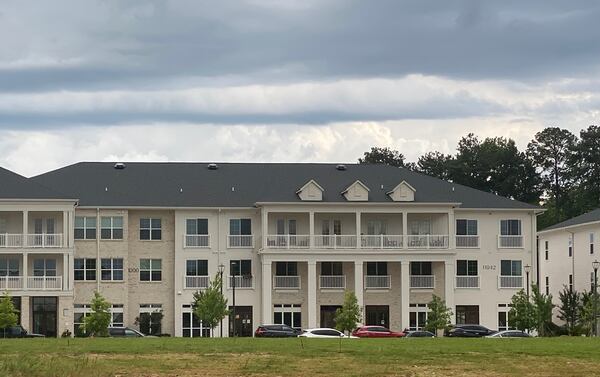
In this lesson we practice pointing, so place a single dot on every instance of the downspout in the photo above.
(98, 249)
(573, 258)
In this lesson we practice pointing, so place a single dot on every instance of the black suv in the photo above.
(468, 331)
(18, 332)
(276, 331)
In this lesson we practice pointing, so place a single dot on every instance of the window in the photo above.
(288, 314)
(546, 249)
(466, 227)
(571, 282)
(467, 314)
(196, 226)
(85, 228)
(150, 229)
(547, 285)
(150, 269)
(240, 227)
(510, 227)
(191, 326)
(9, 267)
(286, 268)
(196, 267)
(420, 227)
(240, 267)
(570, 245)
(111, 228)
(376, 227)
(111, 269)
(3, 225)
(332, 268)
(505, 320)
(377, 268)
(591, 243)
(116, 319)
(84, 268)
(466, 268)
(44, 267)
(420, 268)
(417, 316)
(510, 268)
(150, 319)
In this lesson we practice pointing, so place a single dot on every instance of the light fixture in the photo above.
(527, 268)
(596, 264)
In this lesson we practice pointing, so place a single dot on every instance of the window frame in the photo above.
(512, 267)
(113, 229)
(152, 229)
(467, 232)
(420, 272)
(151, 270)
(85, 270)
(112, 270)
(468, 267)
(509, 227)
(85, 228)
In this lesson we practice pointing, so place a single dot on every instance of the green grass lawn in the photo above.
(289, 357)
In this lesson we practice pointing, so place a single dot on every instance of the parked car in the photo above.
(420, 334)
(124, 332)
(276, 331)
(376, 332)
(468, 331)
(18, 332)
(324, 333)
(509, 334)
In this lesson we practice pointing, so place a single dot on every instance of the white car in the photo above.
(324, 333)
(509, 334)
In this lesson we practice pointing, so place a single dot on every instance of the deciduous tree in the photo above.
(349, 314)
(97, 322)
(210, 305)
(8, 313)
(382, 156)
(439, 315)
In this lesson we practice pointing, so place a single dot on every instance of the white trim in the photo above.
(353, 184)
(400, 184)
(308, 183)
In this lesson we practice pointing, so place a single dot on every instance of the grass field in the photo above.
(289, 357)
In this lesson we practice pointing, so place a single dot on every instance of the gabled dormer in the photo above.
(357, 192)
(403, 193)
(311, 191)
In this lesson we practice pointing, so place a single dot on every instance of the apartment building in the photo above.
(290, 239)
(567, 254)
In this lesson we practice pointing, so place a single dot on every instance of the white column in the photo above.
(359, 289)
(312, 294)
(71, 273)
(24, 272)
(72, 229)
(267, 287)
(358, 230)
(25, 226)
(405, 293)
(405, 229)
(449, 287)
(451, 231)
(65, 229)
(311, 229)
(65, 272)
(265, 228)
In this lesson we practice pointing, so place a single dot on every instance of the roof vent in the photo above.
(213, 166)
(119, 166)
(340, 167)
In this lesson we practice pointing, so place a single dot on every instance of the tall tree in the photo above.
(569, 309)
(97, 322)
(439, 315)
(8, 313)
(210, 306)
(435, 164)
(349, 314)
(586, 167)
(590, 302)
(543, 311)
(382, 156)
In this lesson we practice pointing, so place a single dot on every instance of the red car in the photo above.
(376, 332)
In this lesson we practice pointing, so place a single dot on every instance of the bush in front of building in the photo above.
(97, 322)
(439, 315)
(349, 314)
(210, 305)
(8, 313)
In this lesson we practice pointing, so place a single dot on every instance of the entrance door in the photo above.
(377, 315)
(44, 315)
(328, 315)
(243, 321)
(467, 314)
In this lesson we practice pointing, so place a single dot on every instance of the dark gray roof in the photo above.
(15, 186)
(244, 184)
(577, 220)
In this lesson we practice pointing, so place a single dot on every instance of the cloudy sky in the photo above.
(276, 80)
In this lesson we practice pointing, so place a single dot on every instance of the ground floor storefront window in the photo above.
(150, 319)
(504, 318)
(467, 314)
(417, 316)
(191, 326)
(288, 314)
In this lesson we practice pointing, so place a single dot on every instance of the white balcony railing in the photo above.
(422, 281)
(44, 240)
(510, 242)
(514, 282)
(241, 282)
(44, 283)
(467, 242)
(240, 241)
(427, 241)
(288, 241)
(197, 240)
(381, 241)
(196, 282)
(467, 282)
(286, 282)
(378, 281)
(11, 282)
(332, 281)
(335, 241)
(11, 240)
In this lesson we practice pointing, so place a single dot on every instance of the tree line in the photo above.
(558, 170)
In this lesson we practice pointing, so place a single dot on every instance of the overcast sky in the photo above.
(276, 80)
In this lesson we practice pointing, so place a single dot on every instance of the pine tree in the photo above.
(349, 314)
(210, 306)
(97, 322)
(569, 309)
(8, 313)
(543, 311)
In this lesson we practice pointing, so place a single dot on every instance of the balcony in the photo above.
(44, 283)
(510, 242)
(11, 283)
(31, 240)
(288, 241)
(467, 242)
(378, 281)
(241, 282)
(197, 241)
(335, 241)
(467, 282)
(196, 282)
(286, 282)
(510, 282)
(240, 241)
(427, 241)
(332, 282)
(422, 281)
(382, 241)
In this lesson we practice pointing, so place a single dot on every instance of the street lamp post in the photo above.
(221, 269)
(234, 268)
(527, 270)
(596, 265)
